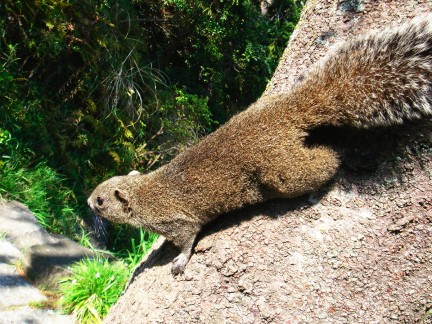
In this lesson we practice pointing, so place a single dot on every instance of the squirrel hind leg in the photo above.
(294, 174)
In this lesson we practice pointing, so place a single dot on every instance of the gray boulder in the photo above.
(46, 257)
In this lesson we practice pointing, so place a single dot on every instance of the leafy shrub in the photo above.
(224, 50)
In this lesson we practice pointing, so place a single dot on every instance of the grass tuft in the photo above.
(96, 284)
(137, 251)
(94, 287)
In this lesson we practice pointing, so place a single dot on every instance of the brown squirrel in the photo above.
(382, 78)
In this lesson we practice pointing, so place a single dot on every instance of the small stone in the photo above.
(203, 245)
(400, 224)
(229, 269)
(332, 254)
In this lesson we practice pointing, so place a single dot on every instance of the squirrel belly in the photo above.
(382, 78)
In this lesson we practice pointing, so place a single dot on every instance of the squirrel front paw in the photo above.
(179, 264)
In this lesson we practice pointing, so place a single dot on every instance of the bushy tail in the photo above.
(382, 78)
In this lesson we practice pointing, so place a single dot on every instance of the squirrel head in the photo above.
(112, 200)
(132, 199)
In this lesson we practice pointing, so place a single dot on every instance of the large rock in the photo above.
(46, 257)
(33, 316)
(359, 251)
(46, 263)
(15, 290)
(21, 226)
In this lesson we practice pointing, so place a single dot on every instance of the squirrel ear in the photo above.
(121, 196)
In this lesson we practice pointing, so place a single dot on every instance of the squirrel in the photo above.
(378, 79)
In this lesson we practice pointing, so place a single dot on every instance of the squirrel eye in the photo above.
(99, 201)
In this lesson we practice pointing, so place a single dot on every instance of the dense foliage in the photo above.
(90, 89)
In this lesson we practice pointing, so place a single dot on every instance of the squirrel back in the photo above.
(379, 79)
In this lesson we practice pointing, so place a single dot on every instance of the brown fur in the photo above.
(382, 78)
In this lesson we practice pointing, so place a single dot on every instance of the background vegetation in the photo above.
(90, 89)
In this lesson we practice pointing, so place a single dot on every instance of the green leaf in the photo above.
(49, 25)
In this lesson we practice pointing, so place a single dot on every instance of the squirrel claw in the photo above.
(179, 264)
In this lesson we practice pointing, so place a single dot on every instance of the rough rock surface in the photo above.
(358, 251)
